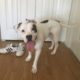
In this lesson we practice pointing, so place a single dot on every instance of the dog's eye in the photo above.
(23, 31)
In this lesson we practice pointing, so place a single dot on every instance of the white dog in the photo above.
(39, 32)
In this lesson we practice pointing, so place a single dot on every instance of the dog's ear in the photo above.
(34, 28)
(26, 19)
(33, 21)
(29, 20)
(19, 24)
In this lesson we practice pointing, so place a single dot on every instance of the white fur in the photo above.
(28, 57)
(44, 30)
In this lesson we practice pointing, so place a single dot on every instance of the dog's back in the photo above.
(47, 26)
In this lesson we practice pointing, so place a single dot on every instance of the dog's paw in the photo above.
(28, 59)
(34, 70)
(53, 53)
(50, 48)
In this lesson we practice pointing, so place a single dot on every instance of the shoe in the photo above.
(11, 48)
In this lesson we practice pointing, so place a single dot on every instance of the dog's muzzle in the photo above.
(29, 37)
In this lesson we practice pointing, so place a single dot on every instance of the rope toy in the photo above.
(30, 46)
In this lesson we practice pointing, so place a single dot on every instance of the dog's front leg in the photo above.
(28, 58)
(34, 66)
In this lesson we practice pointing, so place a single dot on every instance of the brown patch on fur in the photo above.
(34, 28)
(44, 21)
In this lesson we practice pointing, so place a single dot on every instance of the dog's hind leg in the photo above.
(52, 44)
(55, 44)
(52, 41)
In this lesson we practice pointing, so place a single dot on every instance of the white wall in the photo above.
(0, 20)
(73, 34)
(14, 11)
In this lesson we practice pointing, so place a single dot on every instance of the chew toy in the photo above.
(30, 46)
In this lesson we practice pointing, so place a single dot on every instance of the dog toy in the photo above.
(30, 46)
(11, 48)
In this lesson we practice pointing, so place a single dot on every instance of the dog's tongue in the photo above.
(30, 46)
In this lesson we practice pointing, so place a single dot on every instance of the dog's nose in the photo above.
(29, 37)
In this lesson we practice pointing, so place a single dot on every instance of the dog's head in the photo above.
(28, 30)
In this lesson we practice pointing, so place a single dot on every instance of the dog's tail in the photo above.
(70, 25)
(65, 25)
